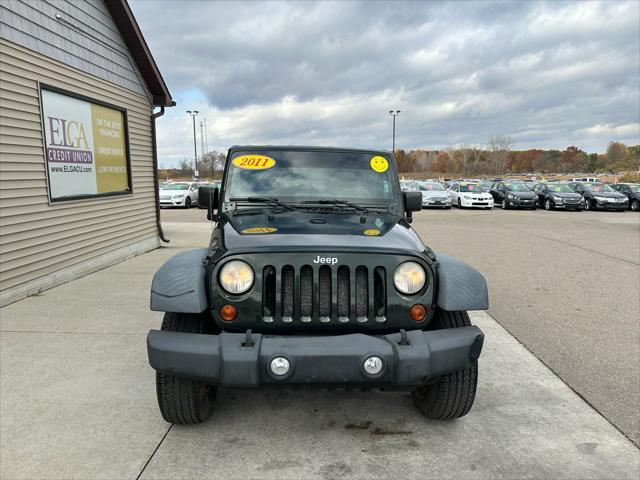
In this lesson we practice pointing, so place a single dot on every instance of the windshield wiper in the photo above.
(337, 202)
(267, 200)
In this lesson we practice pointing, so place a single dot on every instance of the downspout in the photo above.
(154, 149)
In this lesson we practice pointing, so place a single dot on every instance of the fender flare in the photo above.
(460, 286)
(180, 285)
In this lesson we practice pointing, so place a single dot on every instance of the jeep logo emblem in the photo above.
(328, 260)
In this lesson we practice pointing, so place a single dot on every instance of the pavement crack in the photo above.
(154, 452)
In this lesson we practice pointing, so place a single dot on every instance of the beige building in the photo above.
(78, 184)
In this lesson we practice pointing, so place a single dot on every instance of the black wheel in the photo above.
(459, 203)
(547, 204)
(504, 204)
(182, 400)
(452, 395)
(588, 204)
(635, 205)
(187, 202)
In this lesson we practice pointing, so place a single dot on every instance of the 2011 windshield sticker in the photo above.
(379, 164)
(259, 230)
(254, 162)
(371, 232)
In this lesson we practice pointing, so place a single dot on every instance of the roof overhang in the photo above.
(133, 38)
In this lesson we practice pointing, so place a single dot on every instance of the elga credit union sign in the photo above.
(85, 146)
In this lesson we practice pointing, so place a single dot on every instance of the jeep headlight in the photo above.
(409, 277)
(236, 276)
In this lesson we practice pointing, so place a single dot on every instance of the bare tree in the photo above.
(500, 146)
(476, 155)
(213, 163)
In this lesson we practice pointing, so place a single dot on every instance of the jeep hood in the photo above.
(329, 231)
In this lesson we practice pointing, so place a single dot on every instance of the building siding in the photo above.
(84, 37)
(38, 238)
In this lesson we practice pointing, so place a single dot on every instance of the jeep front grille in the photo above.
(325, 294)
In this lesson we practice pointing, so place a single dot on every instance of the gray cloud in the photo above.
(549, 74)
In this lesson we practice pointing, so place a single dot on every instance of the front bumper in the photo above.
(612, 205)
(243, 359)
(478, 203)
(521, 203)
(436, 203)
(174, 202)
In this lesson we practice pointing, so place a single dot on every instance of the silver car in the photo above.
(179, 194)
(434, 195)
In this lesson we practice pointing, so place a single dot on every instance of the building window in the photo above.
(86, 146)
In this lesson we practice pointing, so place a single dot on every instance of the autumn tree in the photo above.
(500, 146)
(592, 163)
(618, 157)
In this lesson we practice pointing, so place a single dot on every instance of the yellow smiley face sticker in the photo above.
(371, 232)
(379, 164)
(259, 230)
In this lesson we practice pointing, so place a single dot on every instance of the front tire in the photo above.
(588, 204)
(182, 400)
(547, 204)
(452, 395)
(187, 202)
(504, 204)
(635, 205)
(459, 203)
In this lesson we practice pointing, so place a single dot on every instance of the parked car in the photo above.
(469, 194)
(552, 195)
(599, 195)
(632, 191)
(317, 287)
(512, 194)
(586, 179)
(434, 195)
(485, 185)
(179, 194)
(408, 186)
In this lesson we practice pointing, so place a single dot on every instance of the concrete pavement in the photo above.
(566, 285)
(77, 400)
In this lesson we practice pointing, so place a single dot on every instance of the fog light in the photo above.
(373, 365)
(418, 312)
(228, 313)
(279, 366)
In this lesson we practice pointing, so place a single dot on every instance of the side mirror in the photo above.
(208, 198)
(412, 203)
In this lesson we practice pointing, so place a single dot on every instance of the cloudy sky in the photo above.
(549, 75)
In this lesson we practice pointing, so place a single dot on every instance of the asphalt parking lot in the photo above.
(78, 400)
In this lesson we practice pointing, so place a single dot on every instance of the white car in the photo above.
(434, 195)
(470, 194)
(179, 194)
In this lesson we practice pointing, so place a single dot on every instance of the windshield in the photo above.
(296, 176)
(597, 187)
(431, 186)
(517, 187)
(470, 187)
(176, 186)
(559, 188)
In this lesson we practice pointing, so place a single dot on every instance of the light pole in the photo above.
(394, 113)
(194, 114)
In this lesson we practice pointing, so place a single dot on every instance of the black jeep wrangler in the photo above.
(314, 277)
